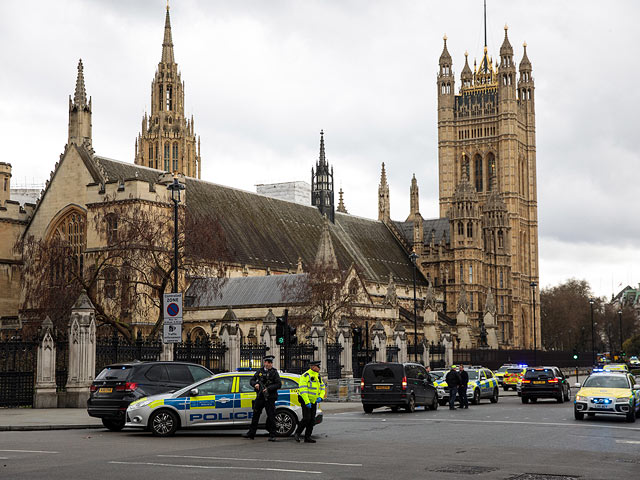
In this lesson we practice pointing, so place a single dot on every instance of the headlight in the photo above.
(623, 399)
(144, 403)
(580, 398)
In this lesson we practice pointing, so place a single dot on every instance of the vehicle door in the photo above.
(245, 395)
(155, 380)
(413, 386)
(428, 390)
(491, 382)
(213, 403)
(482, 383)
(563, 381)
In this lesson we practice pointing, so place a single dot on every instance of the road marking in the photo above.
(213, 467)
(262, 460)
(27, 451)
(634, 442)
(514, 422)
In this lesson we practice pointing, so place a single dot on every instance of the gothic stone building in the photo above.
(484, 242)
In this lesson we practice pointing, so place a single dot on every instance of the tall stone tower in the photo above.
(5, 182)
(167, 140)
(486, 142)
(322, 184)
(80, 113)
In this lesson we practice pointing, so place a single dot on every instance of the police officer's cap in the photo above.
(268, 358)
(315, 363)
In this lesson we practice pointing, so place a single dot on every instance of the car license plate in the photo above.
(383, 387)
(601, 405)
(539, 382)
(105, 390)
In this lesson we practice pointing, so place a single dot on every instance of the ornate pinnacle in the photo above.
(80, 96)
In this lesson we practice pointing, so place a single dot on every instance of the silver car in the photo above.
(222, 401)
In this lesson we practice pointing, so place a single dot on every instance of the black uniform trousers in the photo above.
(308, 419)
(270, 406)
(462, 394)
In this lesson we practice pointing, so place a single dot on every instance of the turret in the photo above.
(5, 182)
(446, 80)
(525, 83)
(322, 184)
(80, 113)
(414, 199)
(506, 70)
(466, 77)
(384, 205)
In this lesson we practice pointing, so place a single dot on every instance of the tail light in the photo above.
(362, 384)
(404, 383)
(127, 387)
(93, 388)
(526, 381)
(552, 380)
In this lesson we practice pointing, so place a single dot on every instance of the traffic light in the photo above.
(280, 330)
(357, 338)
(575, 354)
(293, 338)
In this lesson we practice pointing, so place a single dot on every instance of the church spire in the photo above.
(341, 208)
(80, 95)
(80, 113)
(322, 158)
(167, 43)
(322, 184)
(384, 205)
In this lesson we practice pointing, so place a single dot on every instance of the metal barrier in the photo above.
(115, 349)
(18, 359)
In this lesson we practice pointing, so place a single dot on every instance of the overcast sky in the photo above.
(263, 77)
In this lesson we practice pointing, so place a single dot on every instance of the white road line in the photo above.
(634, 442)
(213, 467)
(514, 422)
(27, 451)
(4, 458)
(262, 460)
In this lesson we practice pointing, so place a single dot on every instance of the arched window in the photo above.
(469, 229)
(501, 279)
(478, 172)
(470, 273)
(460, 228)
(169, 98)
(166, 157)
(500, 239)
(112, 229)
(70, 231)
(151, 155)
(175, 156)
(110, 279)
(353, 287)
(491, 169)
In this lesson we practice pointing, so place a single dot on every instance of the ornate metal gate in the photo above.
(251, 355)
(203, 351)
(296, 358)
(18, 359)
(334, 367)
(436, 356)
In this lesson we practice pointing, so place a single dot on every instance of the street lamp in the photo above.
(414, 258)
(175, 188)
(593, 337)
(533, 286)
(620, 328)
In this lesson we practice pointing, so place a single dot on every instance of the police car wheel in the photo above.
(285, 423)
(476, 397)
(367, 408)
(524, 399)
(115, 425)
(631, 416)
(411, 405)
(163, 423)
(578, 415)
(494, 397)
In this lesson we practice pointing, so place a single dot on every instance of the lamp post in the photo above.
(175, 188)
(593, 337)
(533, 286)
(620, 328)
(414, 257)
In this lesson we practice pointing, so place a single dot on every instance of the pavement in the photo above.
(28, 419)
(504, 441)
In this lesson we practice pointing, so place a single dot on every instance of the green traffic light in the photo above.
(281, 340)
(575, 357)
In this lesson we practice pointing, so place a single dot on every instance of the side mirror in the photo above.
(576, 385)
(193, 392)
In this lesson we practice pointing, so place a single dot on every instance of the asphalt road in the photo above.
(502, 441)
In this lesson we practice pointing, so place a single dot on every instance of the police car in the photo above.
(616, 367)
(222, 401)
(610, 393)
(482, 384)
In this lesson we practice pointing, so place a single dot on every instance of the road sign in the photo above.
(172, 332)
(173, 306)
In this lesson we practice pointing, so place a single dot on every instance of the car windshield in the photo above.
(514, 370)
(502, 369)
(115, 372)
(437, 375)
(606, 381)
(473, 374)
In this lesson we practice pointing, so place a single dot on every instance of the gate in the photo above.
(18, 359)
(203, 352)
(436, 356)
(360, 359)
(334, 368)
(251, 355)
(116, 349)
(392, 353)
(296, 358)
(413, 354)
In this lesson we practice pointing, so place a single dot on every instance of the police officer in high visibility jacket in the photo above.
(312, 392)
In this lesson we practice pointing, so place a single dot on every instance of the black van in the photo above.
(396, 385)
(116, 386)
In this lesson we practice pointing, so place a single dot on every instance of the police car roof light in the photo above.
(523, 365)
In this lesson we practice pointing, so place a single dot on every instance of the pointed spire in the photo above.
(80, 95)
(326, 255)
(323, 160)
(445, 57)
(167, 43)
(525, 64)
(466, 70)
(506, 49)
(414, 199)
(383, 176)
(341, 208)
(384, 205)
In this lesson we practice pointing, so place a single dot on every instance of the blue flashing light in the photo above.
(597, 370)
(523, 365)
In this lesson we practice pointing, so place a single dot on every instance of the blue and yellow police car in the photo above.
(608, 393)
(222, 401)
(482, 384)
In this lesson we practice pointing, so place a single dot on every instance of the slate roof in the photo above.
(436, 226)
(267, 232)
(239, 291)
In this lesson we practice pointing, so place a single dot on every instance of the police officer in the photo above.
(453, 380)
(312, 392)
(462, 388)
(267, 382)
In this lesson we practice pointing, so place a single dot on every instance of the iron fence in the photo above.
(296, 358)
(115, 349)
(18, 359)
(203, 351)
(361, 358)
(251, 355)
(437, 355)
(334, 366)
(413, 354)
(392, 353)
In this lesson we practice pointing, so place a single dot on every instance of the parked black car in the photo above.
(396, 385)
(544, 382)
(116, 386)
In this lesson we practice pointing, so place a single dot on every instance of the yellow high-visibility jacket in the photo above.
(311, 387)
